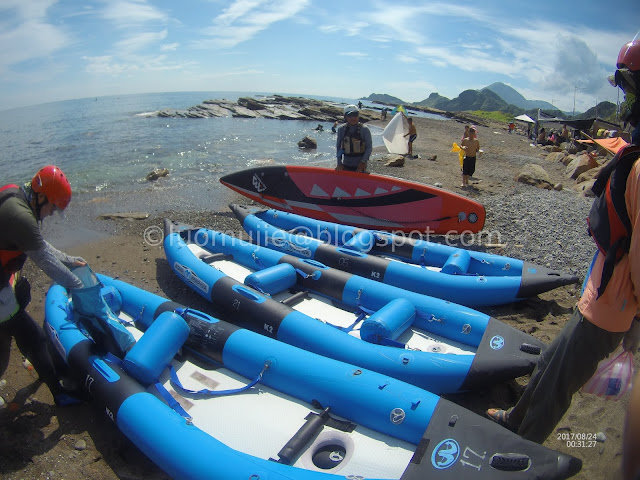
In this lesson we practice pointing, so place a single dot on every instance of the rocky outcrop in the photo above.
(156, 173)
(308, 143)
(393, 160)
(275, 107)
(535, 175)
(580, 164)
(555, 157)
(582, 167)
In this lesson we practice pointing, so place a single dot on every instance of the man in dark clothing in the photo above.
(354, 143)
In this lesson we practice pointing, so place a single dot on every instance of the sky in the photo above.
(557, 51)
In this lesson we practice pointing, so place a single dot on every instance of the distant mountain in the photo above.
(513, 97)
(383, 98)
(603, 110)
(495, 97)
(469, 100)
(434, 101)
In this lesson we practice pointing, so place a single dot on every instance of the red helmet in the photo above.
(629, 56)
(51, 181)
(627, 74)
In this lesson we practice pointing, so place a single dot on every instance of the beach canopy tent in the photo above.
(584, 124)
(525, 118)
(611, 144)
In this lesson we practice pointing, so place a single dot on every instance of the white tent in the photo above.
(525, 118)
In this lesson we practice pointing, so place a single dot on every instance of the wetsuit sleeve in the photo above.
(50, 261)
(632, 198)
(368, 144)
(23, 233)
(339, 138)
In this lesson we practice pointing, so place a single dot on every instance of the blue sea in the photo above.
(107, 145)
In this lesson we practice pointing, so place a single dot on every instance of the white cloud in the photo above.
(113, 66)
(139, 41)
(244, 72)
(27, 9)
(406, 58)
(353, 54)
(125, 14)
(244, 19)
(413, 91)
(105, 65)
(170, 47)
(25, 34)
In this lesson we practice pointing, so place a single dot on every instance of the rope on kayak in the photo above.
(206, 392)
(350, 327)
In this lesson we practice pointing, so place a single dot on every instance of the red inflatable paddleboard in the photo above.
(364, 200)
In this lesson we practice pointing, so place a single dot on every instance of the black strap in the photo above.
(610, 262)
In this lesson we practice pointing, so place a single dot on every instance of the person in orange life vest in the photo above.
(21, 210)
(607, 309)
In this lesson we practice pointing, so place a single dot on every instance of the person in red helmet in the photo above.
(22, 209)
(627, 77)
(608, 310)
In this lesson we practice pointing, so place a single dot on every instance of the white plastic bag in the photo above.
(614, 376)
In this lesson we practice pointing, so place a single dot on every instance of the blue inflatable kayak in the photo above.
(463, 276)
(303, 416)
(391, 321)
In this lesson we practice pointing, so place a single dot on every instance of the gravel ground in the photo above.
(548, 227)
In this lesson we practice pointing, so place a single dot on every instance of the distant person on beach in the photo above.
(22, 209)
(471, 146)
(412, 134)
(607, 310)
(542, 137)
(354, 143)
(384, 113)
(334, 127)
(466, 133)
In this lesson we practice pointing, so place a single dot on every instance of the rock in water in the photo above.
(156, 173)
(308, 143)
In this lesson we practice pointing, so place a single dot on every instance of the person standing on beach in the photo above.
(21, 211)
(413, 134)
(354, 143)
(607, 310)
(466, 133)
(471, 146)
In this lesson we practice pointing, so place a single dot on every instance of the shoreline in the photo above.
(42, 440)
